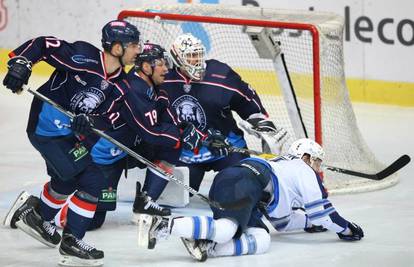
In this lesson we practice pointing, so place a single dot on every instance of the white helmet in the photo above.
(306, 146)
(188, 53)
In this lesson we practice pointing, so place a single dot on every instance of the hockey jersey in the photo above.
(295, 184)
(209, 103)
(138, 119)
(80, 83)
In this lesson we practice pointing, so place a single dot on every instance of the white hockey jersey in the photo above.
(298, 186)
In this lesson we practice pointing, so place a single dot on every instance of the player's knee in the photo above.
(86, 197)
(225, 230)
(262, 239)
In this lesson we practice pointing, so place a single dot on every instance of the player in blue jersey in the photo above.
(135, 124)
(275, 188)
(84, 78)
(205, 92)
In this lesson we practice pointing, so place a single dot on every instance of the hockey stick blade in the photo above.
(394, 167)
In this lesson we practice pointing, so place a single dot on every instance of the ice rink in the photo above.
(387, 216)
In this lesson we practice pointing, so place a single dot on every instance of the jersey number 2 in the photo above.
(52, 42)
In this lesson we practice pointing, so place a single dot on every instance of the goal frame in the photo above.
(314, 31)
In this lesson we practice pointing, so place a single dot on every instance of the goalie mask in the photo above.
(188, 53)
(308, 146)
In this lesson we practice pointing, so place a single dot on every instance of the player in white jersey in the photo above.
(275, 188)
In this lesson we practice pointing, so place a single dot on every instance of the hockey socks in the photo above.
(50, 202)
(81, 210)
(252, 241)
(204, 227)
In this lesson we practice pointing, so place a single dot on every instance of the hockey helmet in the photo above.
(188, 53)
(151, 53)
(119, 31)
(306, 146)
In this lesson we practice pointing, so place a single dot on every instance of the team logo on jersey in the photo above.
(60, 125)
(189, 109)
(87, 100)
(104, 85)
(81, 59)
(115, 151)
(187, 88)
(79, 80)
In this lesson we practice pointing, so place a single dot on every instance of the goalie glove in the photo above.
(356, 233)
(273, 138)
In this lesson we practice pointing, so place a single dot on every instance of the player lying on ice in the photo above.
(272, 187)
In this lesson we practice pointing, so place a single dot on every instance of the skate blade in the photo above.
(66, 260)
(28, 230)
(23, 196)
(144, 225)
(194, 252)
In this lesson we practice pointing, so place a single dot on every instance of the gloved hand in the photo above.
(81, 124)
(19, 71)
(216, 143)
(356, 233)
(190, 137)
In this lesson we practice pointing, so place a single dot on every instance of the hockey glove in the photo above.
(190, 137)
(18, 74)
(355, 235)
(81, 124)
(216, 143)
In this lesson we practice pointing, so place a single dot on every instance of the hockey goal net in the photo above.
(312, 45)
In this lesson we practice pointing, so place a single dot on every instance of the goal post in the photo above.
(310, 61)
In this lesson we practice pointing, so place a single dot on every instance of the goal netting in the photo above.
(312, 45)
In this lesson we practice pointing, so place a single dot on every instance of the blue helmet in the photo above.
(118, 31)
(150, 53)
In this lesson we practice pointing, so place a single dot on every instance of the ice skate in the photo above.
(199, 249)
(23, 200)
(75, 252)
(32, 224)
(159, 229)
(144, 205)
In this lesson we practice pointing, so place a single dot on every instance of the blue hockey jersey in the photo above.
(209, 103)
(80, 83)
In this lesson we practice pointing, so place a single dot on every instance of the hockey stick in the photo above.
(391, 169)
(233, 205)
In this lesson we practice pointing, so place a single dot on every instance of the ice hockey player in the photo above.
(83, 78)
(274, 188)
(205, 92)
(132, 127)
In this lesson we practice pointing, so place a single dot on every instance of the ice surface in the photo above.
(386, 216)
